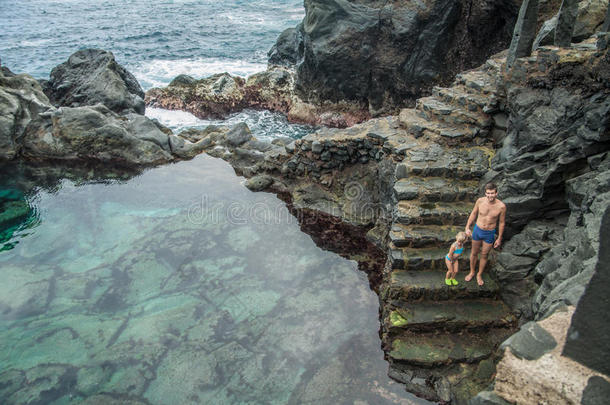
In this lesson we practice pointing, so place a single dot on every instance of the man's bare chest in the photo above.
(489, 211)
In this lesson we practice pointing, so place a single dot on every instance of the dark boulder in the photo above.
(288, 48)
(92, 76)
(385, 54)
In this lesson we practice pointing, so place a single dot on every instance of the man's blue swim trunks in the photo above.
(486, 236)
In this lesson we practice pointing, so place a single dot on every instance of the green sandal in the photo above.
(448, 281)
(454, 281)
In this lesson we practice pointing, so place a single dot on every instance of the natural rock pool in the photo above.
(177, 286)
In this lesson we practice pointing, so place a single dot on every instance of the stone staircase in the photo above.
(438, 339)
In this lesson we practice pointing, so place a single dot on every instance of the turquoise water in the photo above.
(179, 286)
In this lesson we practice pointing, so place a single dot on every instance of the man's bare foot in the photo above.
(480, 280)
(469, 277)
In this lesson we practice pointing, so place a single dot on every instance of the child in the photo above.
(451, 259)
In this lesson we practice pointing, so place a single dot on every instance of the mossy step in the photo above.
(423, 258)
(432, 108)
(433, 213)
(434, 160)
(429, 350)
(416, 236)
(447, 315)
(430, 285)
(435, 189)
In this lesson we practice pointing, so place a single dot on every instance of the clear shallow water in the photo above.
(180, 286)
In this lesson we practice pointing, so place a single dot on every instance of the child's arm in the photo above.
(451, 250)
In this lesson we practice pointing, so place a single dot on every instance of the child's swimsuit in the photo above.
(456, 252)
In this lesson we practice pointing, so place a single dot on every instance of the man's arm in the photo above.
(498, 241)
(472, 218)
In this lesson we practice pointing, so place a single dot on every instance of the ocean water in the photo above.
(156, 41)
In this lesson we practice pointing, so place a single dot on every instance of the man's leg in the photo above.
(474, 253)
(483, 261)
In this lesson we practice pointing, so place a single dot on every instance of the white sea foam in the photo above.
(158, 73)
(175, 120)
(34, 43)
(265, 125)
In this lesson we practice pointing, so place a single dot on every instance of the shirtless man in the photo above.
(487, 210)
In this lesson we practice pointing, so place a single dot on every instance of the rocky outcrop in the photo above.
(533, 369)
(32, 128)
(219, 95)
(288, 48)
(92, 76)
(548, 118)
(591, 14)
(95, 133)
(21, 100)
(385, 54)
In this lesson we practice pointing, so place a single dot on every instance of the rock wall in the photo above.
(552, 171)
(384, 54)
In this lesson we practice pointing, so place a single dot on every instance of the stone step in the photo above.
(434, 160)
(435, 189)
(477, 81)
(432, 108)
(430, 285)
(423, 235)
(460, 97)
(452, 316)
(431, 349)
(432, 213)
(429, 258)
(438, 130)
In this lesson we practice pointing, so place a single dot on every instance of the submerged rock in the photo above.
(92, 76)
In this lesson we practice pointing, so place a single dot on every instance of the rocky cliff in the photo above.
(384, 54)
